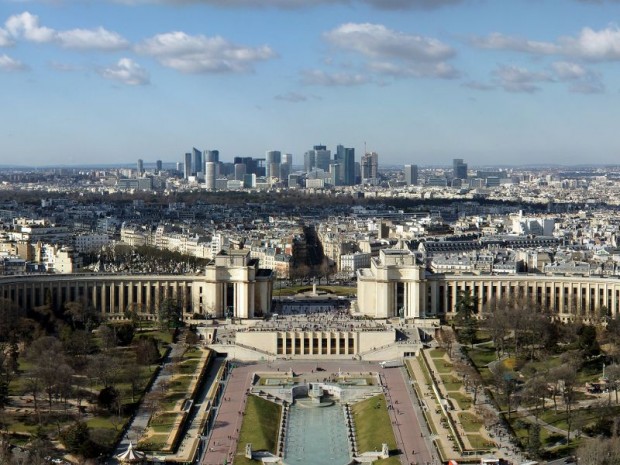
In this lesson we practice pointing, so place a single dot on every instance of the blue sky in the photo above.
(418, 81)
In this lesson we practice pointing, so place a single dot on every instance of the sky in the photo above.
(507, 82)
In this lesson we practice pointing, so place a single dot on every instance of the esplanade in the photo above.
(232, 285)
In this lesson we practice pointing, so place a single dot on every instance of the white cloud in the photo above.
(201, 54)
(26, 26)
(580, 79)
(393, 53)
(568, 70)
(498, 41)
(412, 4)
(290, 4)
(602, 45)
(587, 87)
(126, 71)
(92, 39)
(439, 70)
(321, 78)
(5, 38)
(375, 40)
(517, 79)
(10, 64)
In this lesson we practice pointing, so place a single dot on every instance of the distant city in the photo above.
(476, 294)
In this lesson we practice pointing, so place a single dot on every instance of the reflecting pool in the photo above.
(316, 436)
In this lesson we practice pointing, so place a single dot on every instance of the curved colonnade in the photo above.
(413, 293)
(114, 295)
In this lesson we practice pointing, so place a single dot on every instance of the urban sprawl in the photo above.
(196, 311)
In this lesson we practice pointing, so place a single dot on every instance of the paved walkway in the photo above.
(222, 443)
(411, 434)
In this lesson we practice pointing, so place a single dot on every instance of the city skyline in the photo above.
(417, 81)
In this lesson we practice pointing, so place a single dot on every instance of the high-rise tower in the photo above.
(346, 157)
(196, 161)
(459, 169)
(411, 174)
(370, 165)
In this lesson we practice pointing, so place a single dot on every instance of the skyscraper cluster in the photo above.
(339, 171)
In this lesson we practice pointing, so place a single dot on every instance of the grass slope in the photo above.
(374, 427)
(260, 428)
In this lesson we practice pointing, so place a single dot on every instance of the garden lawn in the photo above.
(373, 424)
(463, 400)
(260, 428)
(477, 442)
(470, 422)
(451, 383)
(443, 367)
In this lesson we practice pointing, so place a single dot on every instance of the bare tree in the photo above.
(612, 373)
(599, 451)
(446, 338)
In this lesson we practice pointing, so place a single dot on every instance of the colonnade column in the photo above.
(104, 298)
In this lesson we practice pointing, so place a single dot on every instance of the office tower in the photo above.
(240, 171)
(140, 166)
(158, 165)
(318, 157)
(187, 168)
(335, 174)
(309, 160)
(180, 167)
(346, 157)
(249, 162)
(196, 161)
(323, 157)
(459, 169)
(294, 180)
(260, 167)
(370, 165)
(210, 175)
(287, 159)
(249, 181)
(272, 163)
(285, 170)
(212, 156)
(411, 174)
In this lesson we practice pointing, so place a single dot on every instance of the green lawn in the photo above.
(427, 376)
(373, 424)
(188, 367)
(443, 367)
(437, 353)
(470, 422)
(163, 422)
(153, 443)
(260, 428)
(482, 357)
(451, 383)
(477, 442)
(463, 400)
